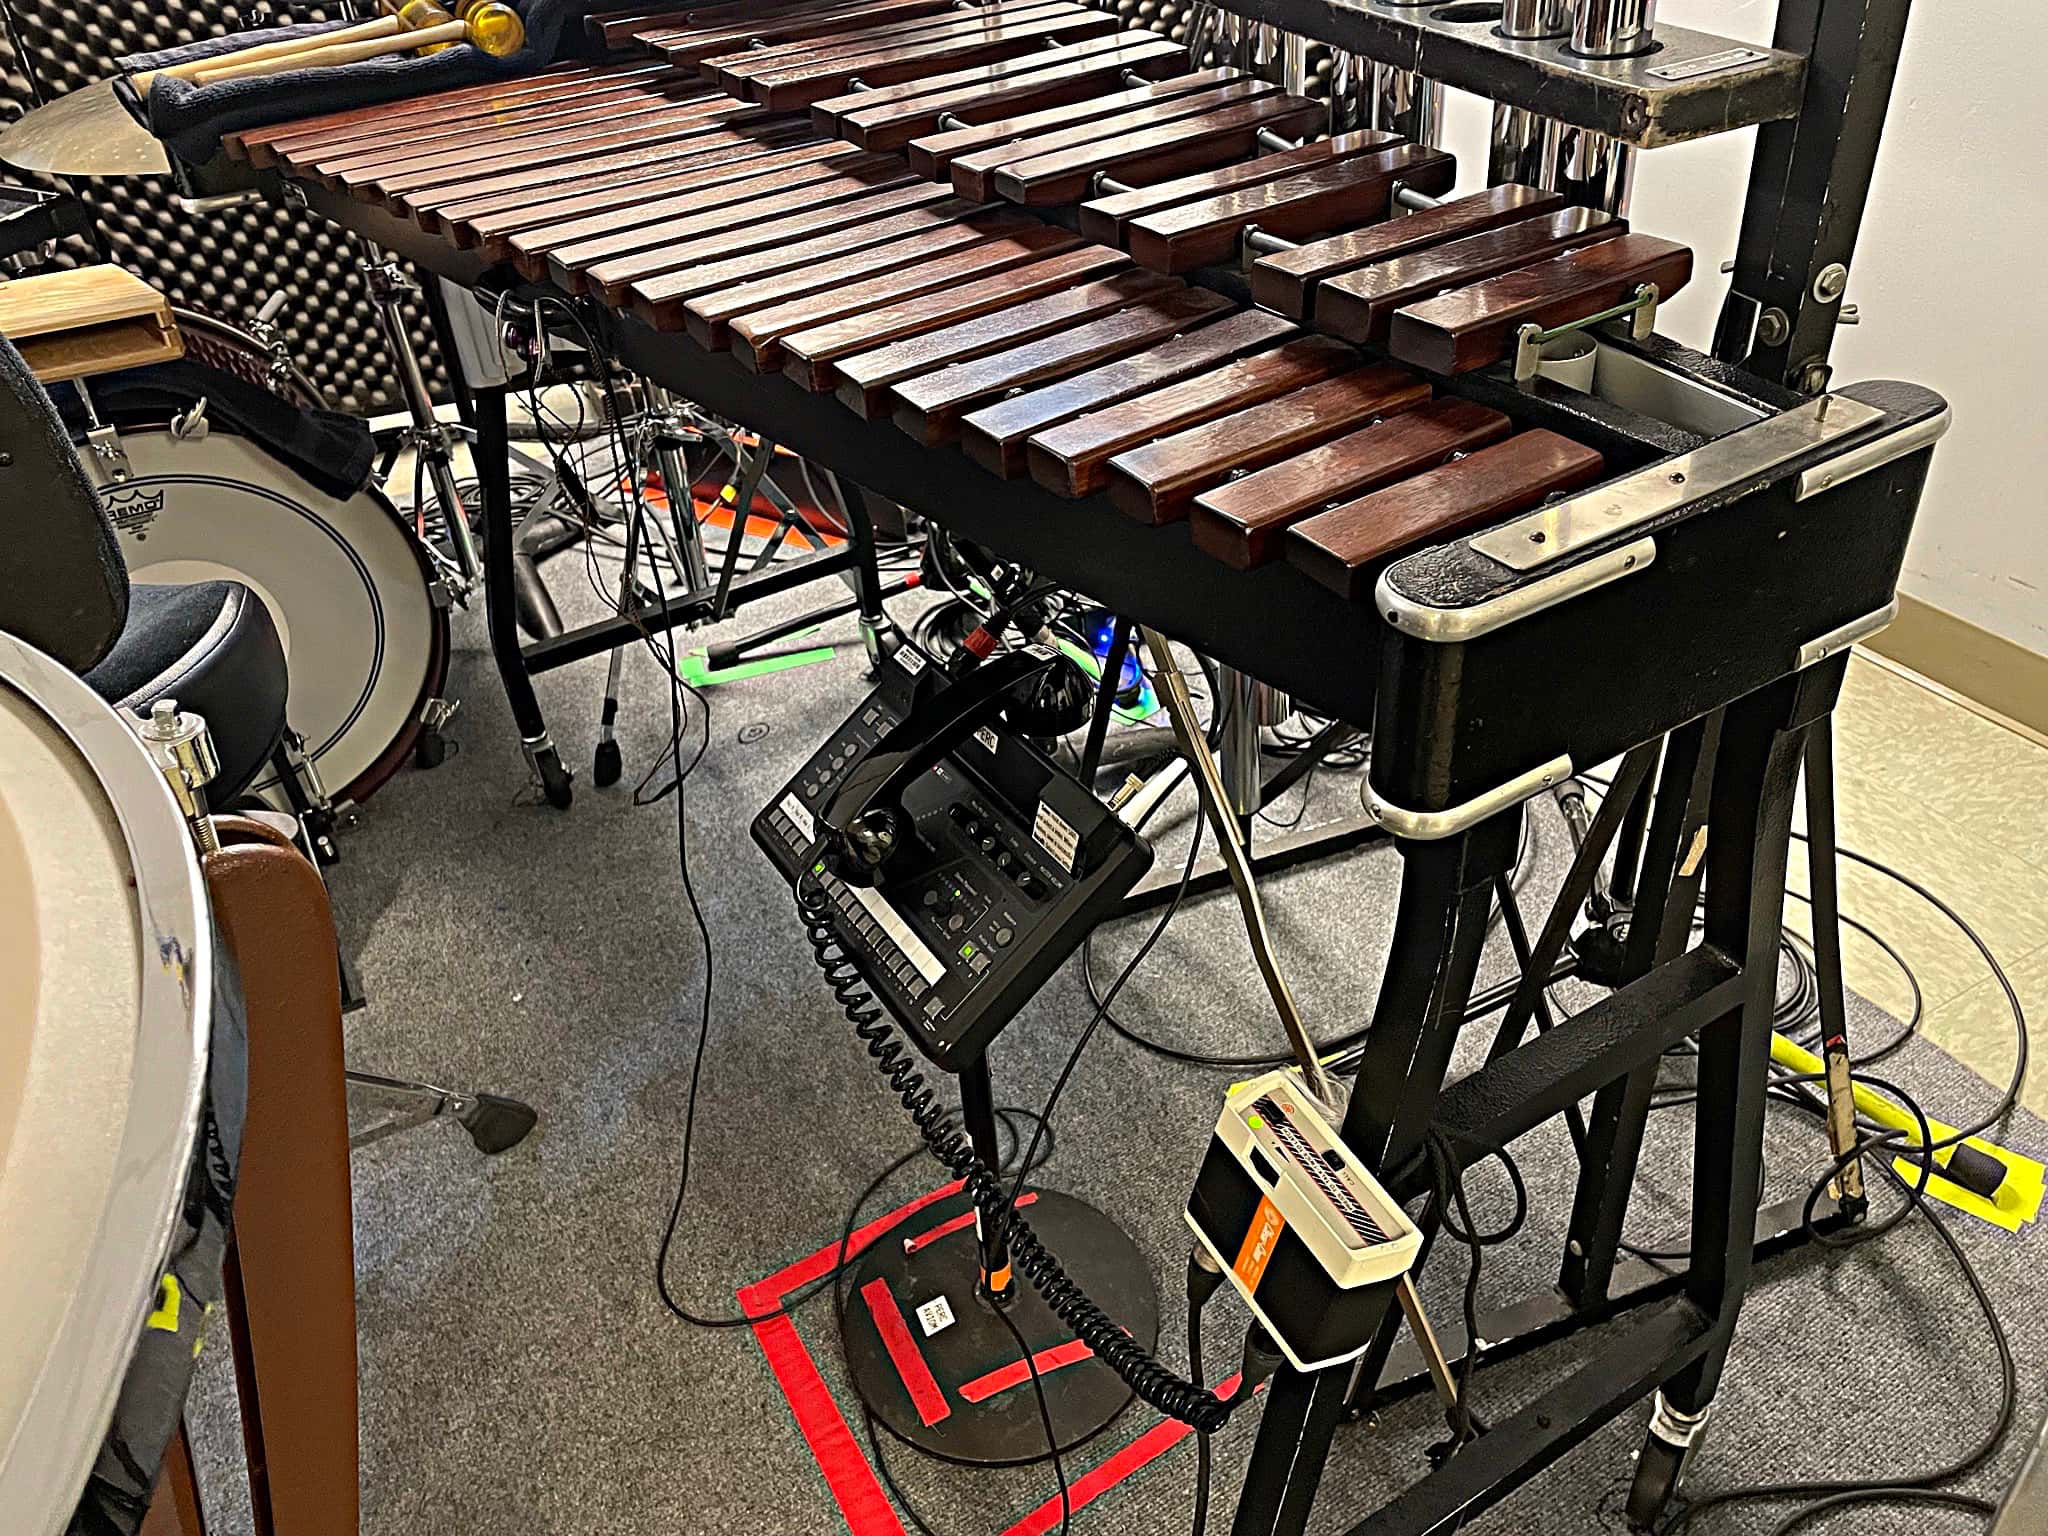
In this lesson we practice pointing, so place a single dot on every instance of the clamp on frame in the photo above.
(1315, 1077)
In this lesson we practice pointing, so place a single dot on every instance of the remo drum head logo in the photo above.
(133, 511)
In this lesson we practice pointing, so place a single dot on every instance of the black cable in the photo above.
(1052, 1442)
(1073, 1060)
(1203, 1451)
(1915, 1489)
(1816, 1510)
(1454, 1210)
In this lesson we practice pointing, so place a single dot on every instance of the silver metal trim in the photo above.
(1428, 826)
(1448, 625)
(45, 1464)
(1842, 636)
(1875, 454)
(1555, 531)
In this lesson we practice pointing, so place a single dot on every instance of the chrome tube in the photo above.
(1294, 63)
(1612, 29)
(1522, 19)
(1406, 103)
(1595, 171)
(1350, 82)
(1524, 145)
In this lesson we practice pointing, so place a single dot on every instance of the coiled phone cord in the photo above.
(1173, 1395)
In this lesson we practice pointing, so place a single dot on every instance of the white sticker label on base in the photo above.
(910, 659)
(935, 1316)
(986, 737)
(793, 808)
(1055, 836)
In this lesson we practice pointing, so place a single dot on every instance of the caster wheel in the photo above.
(430, 751)
(1657, 1473)
(496, 1124)
(608, 765)
(556, 782)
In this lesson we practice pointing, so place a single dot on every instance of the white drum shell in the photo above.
(107, 951)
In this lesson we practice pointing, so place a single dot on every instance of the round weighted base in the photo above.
(960, 1392)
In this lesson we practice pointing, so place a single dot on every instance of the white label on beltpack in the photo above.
(986, 737)
(910, 660)
(1055, 836)
(935, 1316)
(793, 808)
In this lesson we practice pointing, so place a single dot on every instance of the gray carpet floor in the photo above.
(519, 1373)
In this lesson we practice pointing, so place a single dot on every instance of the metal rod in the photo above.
(1426, 1343)
(1256, 239)
(1180, 710)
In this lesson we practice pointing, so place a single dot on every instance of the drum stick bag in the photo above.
(63, 587)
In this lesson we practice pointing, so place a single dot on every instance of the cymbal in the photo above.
(87, 133)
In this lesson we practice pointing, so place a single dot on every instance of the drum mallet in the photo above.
(494, 28)
(368, 31)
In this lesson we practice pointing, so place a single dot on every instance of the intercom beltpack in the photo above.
(1005, 862)
(1308, 1237)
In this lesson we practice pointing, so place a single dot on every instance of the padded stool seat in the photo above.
(213, 648)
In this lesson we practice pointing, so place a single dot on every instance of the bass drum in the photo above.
(349, 586)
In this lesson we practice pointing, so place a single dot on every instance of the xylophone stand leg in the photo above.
(501, 602)
(877, 630)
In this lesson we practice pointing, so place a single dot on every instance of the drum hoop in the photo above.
(228, 330)
(388, 761)
(69, 1407)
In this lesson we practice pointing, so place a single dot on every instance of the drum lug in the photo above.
(106, 447)
(436, 713)
(441, 594)
(306, 770)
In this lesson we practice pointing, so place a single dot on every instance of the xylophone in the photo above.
(1136, 324)
(848, 206)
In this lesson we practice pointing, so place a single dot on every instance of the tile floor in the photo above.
(1960, 803)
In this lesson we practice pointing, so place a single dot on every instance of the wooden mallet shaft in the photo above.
(346, 53)
(368, 31)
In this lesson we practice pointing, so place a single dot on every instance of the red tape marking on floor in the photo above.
(848, 1475)
(918, 1381)
(957, 1224)
(852, 1482)
(1098, 1480)
(1016, 1373)
(865, 1508)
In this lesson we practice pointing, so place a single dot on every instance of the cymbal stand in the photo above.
(388, 286)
